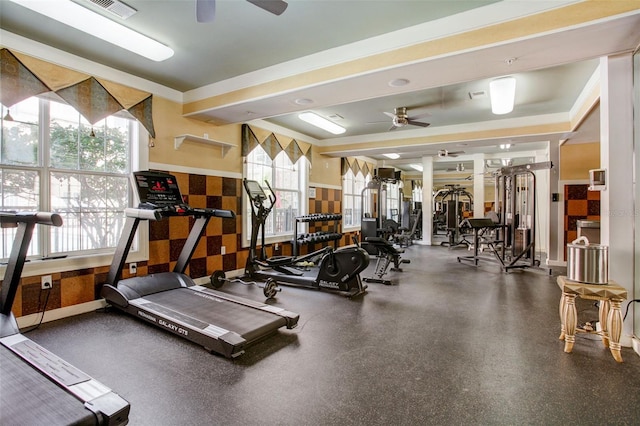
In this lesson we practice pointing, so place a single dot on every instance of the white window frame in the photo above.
(303, 190)
(351, 190)
(139, 154)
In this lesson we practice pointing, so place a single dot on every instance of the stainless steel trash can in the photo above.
(587, 263)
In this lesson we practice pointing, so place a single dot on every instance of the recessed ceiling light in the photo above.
(392, 156)
(303, 101)
(399, 82)
(321, 122)
(85, 20)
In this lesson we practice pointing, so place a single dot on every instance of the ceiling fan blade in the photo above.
(205, 10)
(418, 123)
(274, 6)
(419, 116)
(388, 114)
(393, 127)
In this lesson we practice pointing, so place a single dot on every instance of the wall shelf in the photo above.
(224, 146)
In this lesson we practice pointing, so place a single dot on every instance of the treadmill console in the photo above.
(159, 191)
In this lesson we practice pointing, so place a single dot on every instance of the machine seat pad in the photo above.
(383, 245)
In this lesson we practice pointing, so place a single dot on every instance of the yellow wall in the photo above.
(577, 159)
(325, 170)
(169, 122)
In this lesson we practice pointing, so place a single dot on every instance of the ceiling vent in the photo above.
(116, 7)
(478, 94)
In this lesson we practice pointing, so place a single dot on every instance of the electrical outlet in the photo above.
(133, 268)
(46, 282)
(223, 250)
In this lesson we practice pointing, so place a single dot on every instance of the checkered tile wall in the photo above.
(579, 204)
(167, 237)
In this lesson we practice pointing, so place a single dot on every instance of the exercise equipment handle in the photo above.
(215, 213)
(272, 195)
(11, 219)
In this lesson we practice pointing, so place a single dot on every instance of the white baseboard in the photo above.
(56, 314)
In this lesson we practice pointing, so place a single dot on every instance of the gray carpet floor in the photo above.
(448, 344)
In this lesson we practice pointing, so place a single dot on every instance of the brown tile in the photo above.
(197, 185)
(214, 185)
(158, 252)
(159, 230)
(198, 201)
(179, 227)
(214, 263)
(76, 290)
(175, 247)
(229, 242)
(577, 207)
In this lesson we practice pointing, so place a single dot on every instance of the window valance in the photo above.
(272, 145)
(22, 77)
(356, 165)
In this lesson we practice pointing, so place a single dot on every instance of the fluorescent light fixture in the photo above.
(321, 122)
(83, 19)
(392, 156)
(503, 95)
(417, 167)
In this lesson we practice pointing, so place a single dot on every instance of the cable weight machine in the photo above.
(516, 201)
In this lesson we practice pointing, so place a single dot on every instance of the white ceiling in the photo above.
(246, 45)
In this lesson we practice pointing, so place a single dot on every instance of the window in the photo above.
(288, 181)
(393, 201)
(52, 159)
(352, 186)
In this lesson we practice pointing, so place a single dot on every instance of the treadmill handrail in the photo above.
(26, 223)
(9, 219)
(159, 213)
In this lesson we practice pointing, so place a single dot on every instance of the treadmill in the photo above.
(219, 322)
(37, 387)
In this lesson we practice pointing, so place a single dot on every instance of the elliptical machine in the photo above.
(337, 270)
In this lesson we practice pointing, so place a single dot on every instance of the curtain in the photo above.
(22, 76)
(356, 165)
(273, 145)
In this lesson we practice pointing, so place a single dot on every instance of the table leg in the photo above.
(562, 305)
(570, 321)
(614, 324)
(603, 315)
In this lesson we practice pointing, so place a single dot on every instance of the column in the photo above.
(616, 157)
(478, 185)
(427, 200)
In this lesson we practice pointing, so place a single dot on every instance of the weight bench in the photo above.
(387, 253)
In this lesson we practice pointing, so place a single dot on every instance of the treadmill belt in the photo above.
(29, 398)
(201, 307)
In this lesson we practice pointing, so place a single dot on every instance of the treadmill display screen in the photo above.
(157, 188)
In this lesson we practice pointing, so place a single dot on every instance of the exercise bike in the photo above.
(326, 269)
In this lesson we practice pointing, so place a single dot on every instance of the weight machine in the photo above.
(513, 239)
(374, 207)
(448, 212)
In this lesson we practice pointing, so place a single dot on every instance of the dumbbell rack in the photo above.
(317, 237)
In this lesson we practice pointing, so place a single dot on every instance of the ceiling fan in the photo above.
(206, 9)
(443, 153)
(400, 118)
